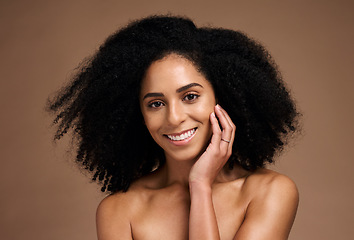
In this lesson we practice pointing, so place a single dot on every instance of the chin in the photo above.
(186, 155)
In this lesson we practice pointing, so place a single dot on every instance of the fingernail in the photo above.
(218, 106)
(213, 114)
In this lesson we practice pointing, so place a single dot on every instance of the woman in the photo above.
(146, 111)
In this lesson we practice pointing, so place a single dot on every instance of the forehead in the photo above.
(170, 73)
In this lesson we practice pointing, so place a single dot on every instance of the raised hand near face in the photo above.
(207, 167)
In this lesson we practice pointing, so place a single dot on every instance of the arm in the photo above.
(112, 220)
(271, 213)
(202, 220)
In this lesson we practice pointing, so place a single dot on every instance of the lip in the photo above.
(184, 141)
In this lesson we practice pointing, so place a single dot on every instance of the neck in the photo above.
(177, 172)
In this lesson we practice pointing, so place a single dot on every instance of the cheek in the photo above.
(151, 123)
(205, 109)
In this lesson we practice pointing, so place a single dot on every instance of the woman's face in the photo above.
(176, 102)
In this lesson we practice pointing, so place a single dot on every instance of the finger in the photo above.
(227, 134)
(227, 117)
(216, 137)
(227, 130)
(233, 126)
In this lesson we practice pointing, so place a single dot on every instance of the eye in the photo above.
(190, 97)
(156, 104)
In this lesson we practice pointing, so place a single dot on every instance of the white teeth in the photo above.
(182, 136)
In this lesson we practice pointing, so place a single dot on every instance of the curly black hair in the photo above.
(101, 103)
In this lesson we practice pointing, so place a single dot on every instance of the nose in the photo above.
(175, 114)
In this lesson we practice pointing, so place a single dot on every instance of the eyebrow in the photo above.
(153, 95)
(181, 89)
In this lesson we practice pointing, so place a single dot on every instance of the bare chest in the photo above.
(167, 216)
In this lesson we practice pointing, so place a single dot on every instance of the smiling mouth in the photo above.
(182, 136)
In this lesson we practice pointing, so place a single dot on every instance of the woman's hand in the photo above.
(207, 167)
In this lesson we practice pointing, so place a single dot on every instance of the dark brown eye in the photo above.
(156, 104)
(191, 97)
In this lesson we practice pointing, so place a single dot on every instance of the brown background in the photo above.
(44, 196)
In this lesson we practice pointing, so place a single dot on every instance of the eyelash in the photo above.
(193, 95)
(150, 105)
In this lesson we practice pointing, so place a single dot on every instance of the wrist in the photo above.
(199, 187)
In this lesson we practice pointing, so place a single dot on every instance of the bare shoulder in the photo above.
(115, 213)
(113, 204)
(273, 200)
(267, 183)
(271, 190)
(122, 203)
(113, 217)
(125, 205)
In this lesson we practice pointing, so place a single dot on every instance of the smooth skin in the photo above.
(193, 196)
